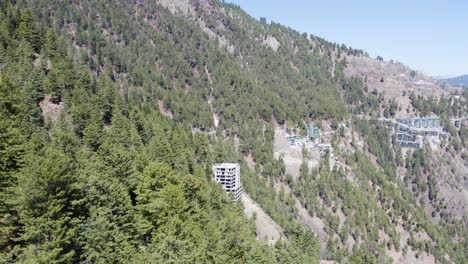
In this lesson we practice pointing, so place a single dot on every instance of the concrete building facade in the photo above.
(459, 122)
(313, 133)
(228, 175)
(421, 122)
(421, 126)
(296, 141)
(411, 130)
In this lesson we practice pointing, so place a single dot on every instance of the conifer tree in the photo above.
(47, 194)
(109, 230)
(27, 28)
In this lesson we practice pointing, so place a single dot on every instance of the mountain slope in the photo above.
(226, 84)
(396, 81)
(99, 177)
(461, 81)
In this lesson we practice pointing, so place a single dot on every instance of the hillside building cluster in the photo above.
(313, 134)
(410, 131)
(312, 137)
(228, 175)
(296, 141)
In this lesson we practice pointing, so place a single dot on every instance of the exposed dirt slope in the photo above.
(292, 156)
(267, 228)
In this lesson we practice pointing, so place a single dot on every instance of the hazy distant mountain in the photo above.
(461, 81)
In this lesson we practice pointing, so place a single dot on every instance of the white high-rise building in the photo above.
(228, 174)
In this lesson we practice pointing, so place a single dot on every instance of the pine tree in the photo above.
(159, 149)
(103, 241)
(106, 95)
(27, 28)
(93, 132)
(50, 45)
(110, 228)
(47, 194)
(60, 79)
(12, 140)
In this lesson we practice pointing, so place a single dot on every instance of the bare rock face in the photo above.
(164, 110)
(272, 42)
(50, 110)
(175, 6)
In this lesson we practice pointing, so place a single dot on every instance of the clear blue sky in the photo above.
(428, 35)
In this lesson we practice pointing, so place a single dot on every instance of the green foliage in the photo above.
(86, 187)
(379, 143)
(113, 180)
(362, 256)
(47, 189)
(449, 106)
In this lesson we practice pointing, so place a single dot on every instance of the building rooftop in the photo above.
(294, 137)
(312, 127)
(418, 118)
(225, 165)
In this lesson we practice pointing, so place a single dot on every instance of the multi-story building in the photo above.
(459, 122)
(411, 130)
(324, 149)
(421, 126)
(313, 133)
(228, 174)
(408, 139)
(296, 141)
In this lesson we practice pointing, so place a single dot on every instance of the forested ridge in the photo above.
(121, 172)
(112, 179)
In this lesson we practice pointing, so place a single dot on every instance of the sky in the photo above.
(428, 35)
